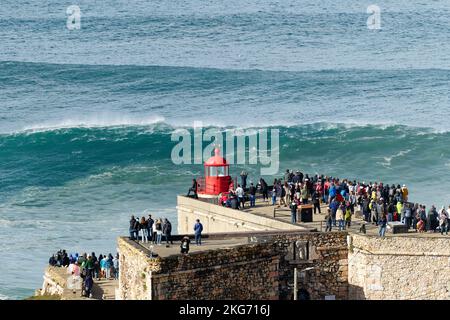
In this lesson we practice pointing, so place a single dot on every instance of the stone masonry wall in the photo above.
(399, 268)
(259, 270)
(136, 268)
(55, 280)
(244, 272)
(327, 257)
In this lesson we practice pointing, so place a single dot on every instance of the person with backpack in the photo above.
(198, 228)
(332, 192)
(104, 266)
(88, 284)
(316, 201)
(143, 229)
(340, 217)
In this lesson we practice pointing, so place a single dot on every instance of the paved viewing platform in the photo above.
(102, 289)
(165, 250)
(283, 213)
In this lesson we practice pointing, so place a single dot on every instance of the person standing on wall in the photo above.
(194, 189)
(198, 228)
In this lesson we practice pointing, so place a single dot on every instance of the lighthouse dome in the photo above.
(216, 160)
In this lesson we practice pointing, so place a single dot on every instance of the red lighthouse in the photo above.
(217, 178)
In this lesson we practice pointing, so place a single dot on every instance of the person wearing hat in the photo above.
(405, 193)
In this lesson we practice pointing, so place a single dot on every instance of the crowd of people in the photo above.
(150, 230)
(378, 202)
(83, 269)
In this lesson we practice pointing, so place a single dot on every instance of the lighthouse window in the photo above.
(218, 171)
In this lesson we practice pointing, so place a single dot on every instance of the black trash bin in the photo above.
(305, 213)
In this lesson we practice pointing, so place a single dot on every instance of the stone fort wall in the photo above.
(259, 270)
(216, 218)
(339, 265)
(403, 267)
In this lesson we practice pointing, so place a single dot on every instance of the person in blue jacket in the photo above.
(332, 192)
(198, 228)
(334, 205)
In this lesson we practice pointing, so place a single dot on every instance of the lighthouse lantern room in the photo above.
(217, 178)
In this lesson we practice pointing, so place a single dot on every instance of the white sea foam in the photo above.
(96, 121)
(3, 297)
(109, 120)
(389, 159)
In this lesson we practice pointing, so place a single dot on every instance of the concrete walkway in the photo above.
(102, 289)
(165, 250)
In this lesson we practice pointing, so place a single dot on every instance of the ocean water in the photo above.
(86, 115)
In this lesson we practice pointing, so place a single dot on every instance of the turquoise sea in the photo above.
(86, 116)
